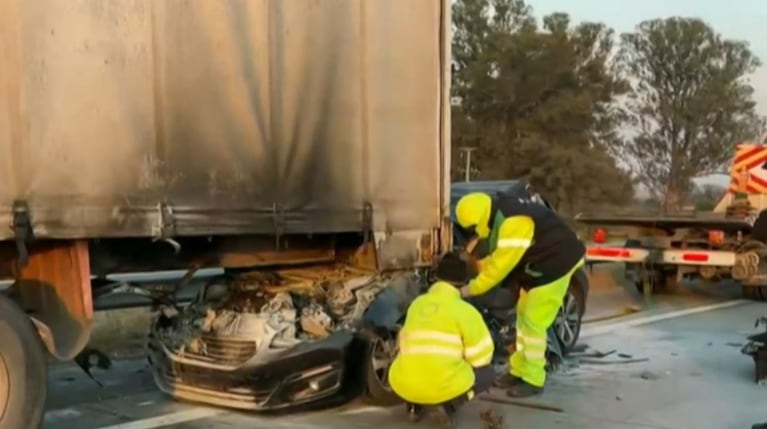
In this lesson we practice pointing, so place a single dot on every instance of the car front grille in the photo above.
(223, 351)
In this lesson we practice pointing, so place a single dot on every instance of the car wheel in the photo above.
(568, 322)
(23, 370)
(382, 351)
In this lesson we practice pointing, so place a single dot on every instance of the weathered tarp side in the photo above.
(139, 117)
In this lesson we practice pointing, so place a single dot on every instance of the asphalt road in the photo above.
(695, 377)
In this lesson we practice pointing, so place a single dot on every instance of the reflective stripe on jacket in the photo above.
(442, 339)
(509, 241)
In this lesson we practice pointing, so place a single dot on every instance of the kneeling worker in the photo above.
(445, 353)
(532, 248)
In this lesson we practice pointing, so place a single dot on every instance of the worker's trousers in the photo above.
(536, 311)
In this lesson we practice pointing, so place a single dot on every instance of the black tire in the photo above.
(569, 338)
(381, 353)
(661, 282)
(23, 370)
(632, 273)
(759, 229)
(759, 293)
(754, 293)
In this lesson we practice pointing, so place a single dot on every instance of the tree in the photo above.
(537, 103)
(691, 103)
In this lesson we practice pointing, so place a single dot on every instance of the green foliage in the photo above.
(538, 102)
(690, 104)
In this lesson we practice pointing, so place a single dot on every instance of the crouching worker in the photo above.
(445, 353)
(532, 247)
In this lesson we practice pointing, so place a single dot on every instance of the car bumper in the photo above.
(309, 373)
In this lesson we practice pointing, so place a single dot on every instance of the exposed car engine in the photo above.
(269, 310)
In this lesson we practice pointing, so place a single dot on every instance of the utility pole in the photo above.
(467, 156)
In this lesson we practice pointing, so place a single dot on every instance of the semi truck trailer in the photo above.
(302, 145)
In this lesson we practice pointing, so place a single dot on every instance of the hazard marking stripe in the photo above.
(751, 162)
(758, 180)
(757, 186)
(747, 153)
(752, 188)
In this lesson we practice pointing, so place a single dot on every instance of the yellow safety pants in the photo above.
(536, 311)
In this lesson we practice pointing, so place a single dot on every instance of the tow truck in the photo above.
(728, 243)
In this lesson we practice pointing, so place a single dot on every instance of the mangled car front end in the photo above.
(268, 341)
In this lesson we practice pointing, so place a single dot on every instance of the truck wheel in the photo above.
(755, 293)
(23, 370)
(660, 282)
(383, 350)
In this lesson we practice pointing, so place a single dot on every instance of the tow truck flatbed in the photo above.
(666, 221)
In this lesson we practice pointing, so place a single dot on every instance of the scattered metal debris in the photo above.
(579, 348)
(757, 349)
(491, 419)
(649, 375)
(525, 404)
(90, 358)
(595, 354)
(612, 362)
(596, 357)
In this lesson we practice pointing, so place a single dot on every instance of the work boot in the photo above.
(446, 416)
(414, 413)
(507, 381)
(524, 390)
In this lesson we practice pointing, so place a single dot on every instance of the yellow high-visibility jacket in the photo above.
(442, 340)
(509, 240)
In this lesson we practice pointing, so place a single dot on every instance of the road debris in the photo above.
(626, 311)
(91, 358)
(595, 354)
(596, 357)
(757, 349)
(649, 375)
(612, 362)
(525, 404)
(491, 419)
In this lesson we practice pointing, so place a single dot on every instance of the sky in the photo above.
(734, 19)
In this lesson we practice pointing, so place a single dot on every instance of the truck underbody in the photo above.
(661, 251)
(55, 284)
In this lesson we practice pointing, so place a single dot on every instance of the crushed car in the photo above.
(317, 335)
(264, 341)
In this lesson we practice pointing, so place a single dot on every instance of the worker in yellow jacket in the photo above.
(530, 248)
(445, 353)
